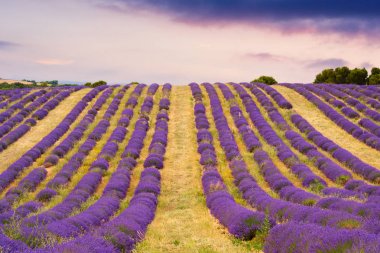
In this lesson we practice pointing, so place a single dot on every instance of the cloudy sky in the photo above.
(181, 41)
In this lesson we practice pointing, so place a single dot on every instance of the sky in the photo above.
(180, 41)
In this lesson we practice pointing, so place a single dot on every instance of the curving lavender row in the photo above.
(342, 155)
(280, 100)
(240, 221)
(326, 95)
(298, 237)
(10, 174)
(67, 171)
(368, 210)
(10, 135)
(68, 143)
(365, 123)
(76, 134)
(24, 101)
(278, 182)
(284, 153)
(85, 187)
(369, 95)
(115, 190)
(124, 231)
(10, 96)
(364, 136)
(351, 97)
(282, 210)
(330, 169)
(289, 192)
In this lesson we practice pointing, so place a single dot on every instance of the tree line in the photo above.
(345, 75)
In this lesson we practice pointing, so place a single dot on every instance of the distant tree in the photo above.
(44, 84)
(375, 71)
(374, 79)
(326, 76)
(96, 84)
(265, 79)
(99, 83)
(30, 81)
(341, 74)
(53, 82)
(358, 76)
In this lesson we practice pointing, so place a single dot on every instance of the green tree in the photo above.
(358, 76)
(375, 71)
(326, 76)
(374, 79)
(265, 79)
(99, 83)
(341, 74)
(53, 82)
(88, 84)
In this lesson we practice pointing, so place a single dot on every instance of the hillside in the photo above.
(10, 81)
(198, 168)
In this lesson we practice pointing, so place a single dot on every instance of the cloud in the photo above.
(310, 64)
(7, 44)
(268, 57)
(366, 65)
(323, 16)
(54, 62)
(327, 63)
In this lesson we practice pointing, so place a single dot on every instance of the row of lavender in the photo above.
(121, 233)
(240, 221)
(331, 169)
(10, 173)
(334, 96)
(67, 226)
(27, 159)
(64, 175)
(86, 186)
(293, 212)
(37, 175)
(368, 133)
(9, 97)
(52, 221)
(294, 234)
(12, 129)
(356, 188)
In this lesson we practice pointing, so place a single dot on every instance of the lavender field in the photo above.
(224, 167)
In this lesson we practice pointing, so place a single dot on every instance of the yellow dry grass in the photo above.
(183, 223)
(10, 81)
(41, 129)
(328, 128)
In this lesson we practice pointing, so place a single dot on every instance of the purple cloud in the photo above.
(7, 44)
(310, 64)
(327, 63)
(323, 16)
(268, 57)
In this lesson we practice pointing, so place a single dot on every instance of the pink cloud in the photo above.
(54, 62)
